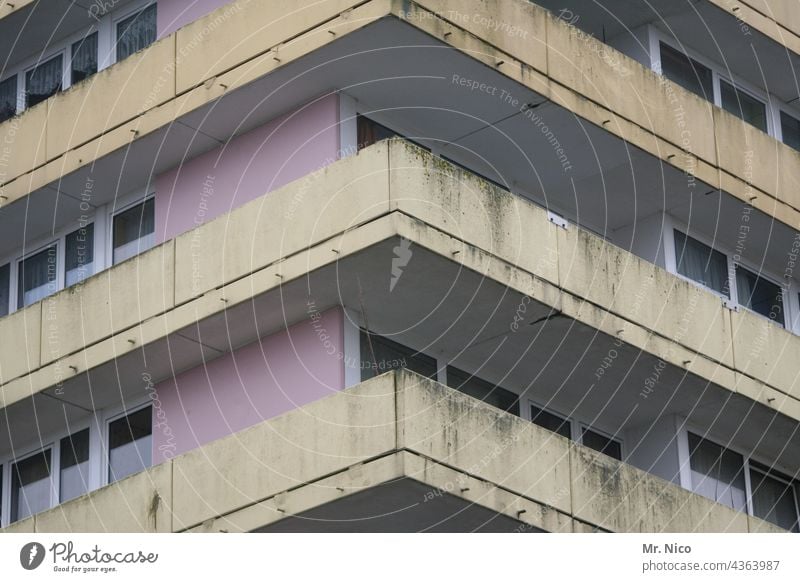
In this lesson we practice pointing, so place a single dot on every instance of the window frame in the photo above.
(46, 444)
(616, 438)
(22, 79)
(114, 415)
(123, 13)
(126, 202)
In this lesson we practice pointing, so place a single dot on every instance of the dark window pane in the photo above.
(84, 58)
(717, 472)
(79, 255)
(759, 295)
(30, 486)
(44, 80)
(391, 355)
(602, 443)
(129, 444)
(74, 465)
(790, 128)
(701, 263)
(37, 277)
(5, 289)
(136, 32)
(483, 390)
(8, 98)
(550, 421)
(743, 106)
(774, 501)
(686, 72)
(134, 230)
(370, 132)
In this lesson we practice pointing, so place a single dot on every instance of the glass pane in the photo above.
(774, 501)
(686, 72)
(390, 355)
(743, 105)
(717, 473)
(483, 390)
(44, 80)
(37, 277)
(5, 289)
(759, 295)
(550, 421)
(8, 98)
(79, 255)
(701, 263)
(129, 444)
(74, 465)
(790, 128)
(602, 443)
(84, 58)
(30, 486)
(134, 230)
(136, 32)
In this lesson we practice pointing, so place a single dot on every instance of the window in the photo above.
(701, 263)
(790, 130)
(483, 390)
(8, 98)
(759, 295)
(44, 80)
(74, 480)
(129, 444)
(134, 230)
(30, 485)
(379, 355)
(550, 421)
(5, 290)
(37, 276)
(773, 497)
(717, 472)
(601, 443)
(136, 32)
(84, 59)
(79, 255)
(686, 72)
(743, 106)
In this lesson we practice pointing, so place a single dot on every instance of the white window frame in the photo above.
(120, 205)
(789, 289)
(22, 86)
(526, 415)
(685, 467)
(97, 477)
(606, 434)
(773, 104)
(120, 15)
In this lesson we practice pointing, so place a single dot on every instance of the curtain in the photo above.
(701, 263)
(717, 473)
(84, 58)
(44, 80)
(773, 501)
(136, 32)
(37, 277)
(5, 276)
(30, 487)
(8, 98)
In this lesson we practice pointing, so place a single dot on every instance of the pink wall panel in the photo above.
(267, 378)
(173, 14)
(250, 165)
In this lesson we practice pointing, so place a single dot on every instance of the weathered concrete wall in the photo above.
(398, 424)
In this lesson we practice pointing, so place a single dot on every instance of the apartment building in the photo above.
(386, 265)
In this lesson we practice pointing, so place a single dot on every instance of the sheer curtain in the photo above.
(701, 263)
(44, 80)
(84, 58)
(136, 32)
(8, 98)
(717, 473)
(37, 277)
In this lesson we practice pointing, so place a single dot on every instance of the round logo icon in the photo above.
(31, 555)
